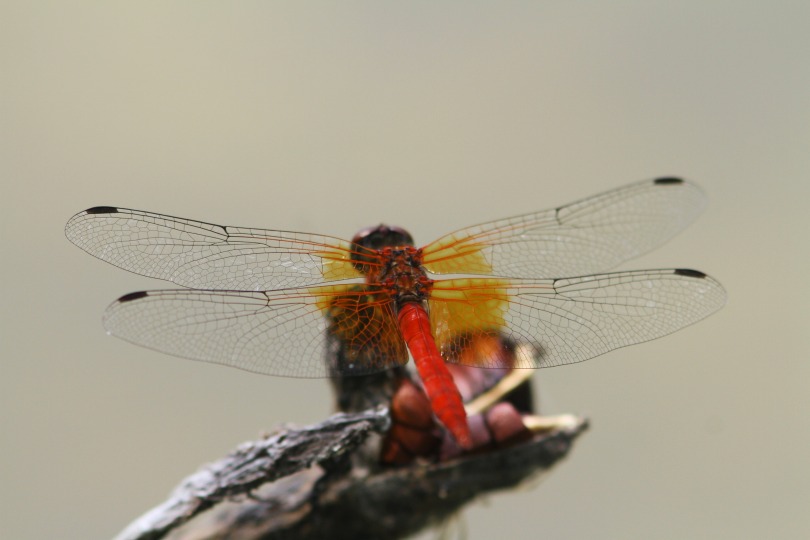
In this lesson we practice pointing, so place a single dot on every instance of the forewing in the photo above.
(273, 332)
(563, 321)
(206, 256)
(591, 235)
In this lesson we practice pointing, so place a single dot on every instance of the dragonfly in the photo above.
(275, 301)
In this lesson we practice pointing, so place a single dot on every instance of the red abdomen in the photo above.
(445, 399)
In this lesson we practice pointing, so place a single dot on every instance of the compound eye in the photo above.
(376, 238)
(382, 236)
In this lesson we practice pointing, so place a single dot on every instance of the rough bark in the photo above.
(317, 482)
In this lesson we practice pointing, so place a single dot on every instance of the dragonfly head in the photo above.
(373, 239)
(381, 236)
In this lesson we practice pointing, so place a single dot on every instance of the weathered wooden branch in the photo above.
(257, 463)
(315, 482)
(382, 469)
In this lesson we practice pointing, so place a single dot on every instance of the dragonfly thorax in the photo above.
(402, 274)
(388, 258)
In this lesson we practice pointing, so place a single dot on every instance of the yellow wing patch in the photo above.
(453, 256)
(338, 265)
(463, 306)
(363, 321)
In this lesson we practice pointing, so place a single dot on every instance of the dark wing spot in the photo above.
(668, 180)
(102, 210)
(133, 296)
(689, 273)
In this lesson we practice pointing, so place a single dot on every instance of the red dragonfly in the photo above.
(273, 301)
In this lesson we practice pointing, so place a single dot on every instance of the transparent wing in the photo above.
(591, 235)
(206, 256)
(569, 320)
(275, 332)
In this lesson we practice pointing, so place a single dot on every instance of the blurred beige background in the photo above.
(327, 117)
